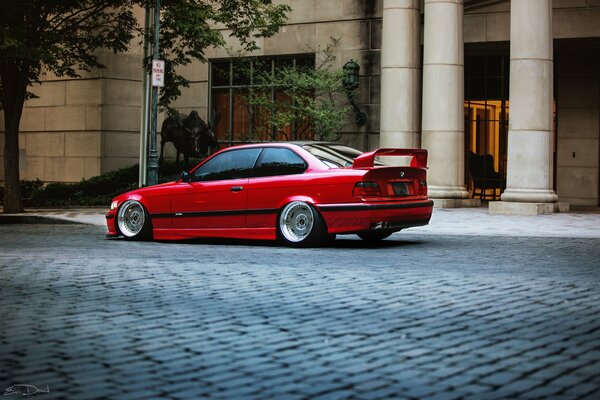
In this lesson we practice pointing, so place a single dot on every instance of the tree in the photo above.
(63, 37)
(311, 100)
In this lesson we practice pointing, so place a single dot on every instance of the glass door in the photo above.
(486, 112)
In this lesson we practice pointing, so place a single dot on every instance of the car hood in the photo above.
(162, 188)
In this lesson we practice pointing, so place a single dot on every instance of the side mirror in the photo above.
(185, 177)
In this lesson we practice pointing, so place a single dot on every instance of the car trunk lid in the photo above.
(393, 182)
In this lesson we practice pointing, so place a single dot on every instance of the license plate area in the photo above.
(400, 188)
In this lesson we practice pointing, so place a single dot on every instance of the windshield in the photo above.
(334, 155)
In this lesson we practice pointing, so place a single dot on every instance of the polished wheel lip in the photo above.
(296, 221)
(131, 218)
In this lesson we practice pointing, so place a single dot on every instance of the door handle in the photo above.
(236, 188)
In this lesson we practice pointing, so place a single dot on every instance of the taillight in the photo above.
(366, 189)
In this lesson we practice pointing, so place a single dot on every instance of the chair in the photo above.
(484, 176)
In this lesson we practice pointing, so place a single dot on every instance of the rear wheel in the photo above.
(374, 236)
(133, 221)
(300, 225)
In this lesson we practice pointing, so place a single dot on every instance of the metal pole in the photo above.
(145, 118)
(153, 157)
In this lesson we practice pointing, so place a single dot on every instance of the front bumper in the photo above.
(111, 223)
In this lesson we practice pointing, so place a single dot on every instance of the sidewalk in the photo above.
(88, 216)
(583, 223)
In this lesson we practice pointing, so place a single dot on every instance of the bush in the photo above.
(28, 189)
(96, 191)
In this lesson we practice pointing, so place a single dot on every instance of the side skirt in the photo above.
(229, 233)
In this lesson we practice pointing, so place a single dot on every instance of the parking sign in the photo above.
(158, 73)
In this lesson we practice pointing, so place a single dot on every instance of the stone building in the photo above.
(504, 94)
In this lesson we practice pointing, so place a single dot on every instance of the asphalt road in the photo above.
(417, 316)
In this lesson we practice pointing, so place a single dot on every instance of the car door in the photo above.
(216, 195)
(276, 176)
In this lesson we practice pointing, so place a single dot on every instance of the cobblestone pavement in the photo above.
(416, 317)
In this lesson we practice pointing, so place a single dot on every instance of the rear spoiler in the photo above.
(366, 160)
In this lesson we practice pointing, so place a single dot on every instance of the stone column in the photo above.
(530, 141)
(401, 74)
(443, 102)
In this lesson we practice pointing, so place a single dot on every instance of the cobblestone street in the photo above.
(415, 317)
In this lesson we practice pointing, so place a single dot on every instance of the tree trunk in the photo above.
(14, 78)
(12, 185)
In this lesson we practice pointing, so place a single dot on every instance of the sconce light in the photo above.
(351, 82)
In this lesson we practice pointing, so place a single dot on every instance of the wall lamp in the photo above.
(351, 82)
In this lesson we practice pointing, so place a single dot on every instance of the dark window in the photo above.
(242, 72)
(220, 74)
(232, 164)
(275, 161)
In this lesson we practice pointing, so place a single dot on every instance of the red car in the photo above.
(300, 193)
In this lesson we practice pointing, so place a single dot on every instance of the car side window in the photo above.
(279, 161)
(231, 164)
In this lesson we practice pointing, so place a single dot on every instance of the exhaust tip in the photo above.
(381, 225)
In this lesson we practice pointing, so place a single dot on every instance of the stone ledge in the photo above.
(517, 208)
(456, 203)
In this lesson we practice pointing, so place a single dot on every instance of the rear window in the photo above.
(334, 155)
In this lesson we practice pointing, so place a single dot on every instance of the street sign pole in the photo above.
(146, 93)
(153, 156)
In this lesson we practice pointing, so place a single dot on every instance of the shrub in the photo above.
(311, 102)
(96, 191)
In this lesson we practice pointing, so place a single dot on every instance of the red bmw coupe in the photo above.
(299, 193)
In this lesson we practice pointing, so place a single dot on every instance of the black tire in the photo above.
(133, 221)
(374, 236)
(300, 225)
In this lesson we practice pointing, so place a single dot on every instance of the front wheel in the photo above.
(300, 225)
(133, 221)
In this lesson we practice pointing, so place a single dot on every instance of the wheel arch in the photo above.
(304, 198)
(143, 200)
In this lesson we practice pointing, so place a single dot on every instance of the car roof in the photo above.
(299, 143)
(305, 142)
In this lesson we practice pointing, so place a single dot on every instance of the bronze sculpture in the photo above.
(190, 135)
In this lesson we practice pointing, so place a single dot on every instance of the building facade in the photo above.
(505, 95)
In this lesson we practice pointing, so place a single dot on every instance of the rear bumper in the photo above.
(360, 217)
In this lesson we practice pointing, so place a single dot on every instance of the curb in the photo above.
(36, 219)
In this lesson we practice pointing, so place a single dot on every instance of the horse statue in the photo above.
(190, 135)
